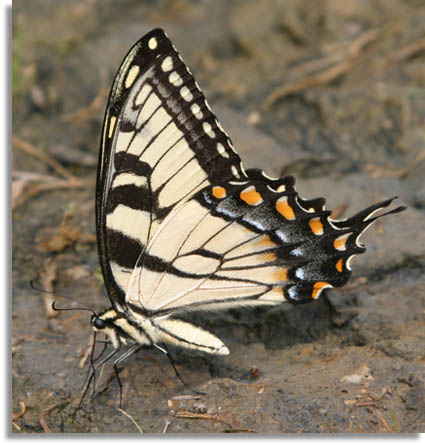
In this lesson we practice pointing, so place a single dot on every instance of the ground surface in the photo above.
(334, 94)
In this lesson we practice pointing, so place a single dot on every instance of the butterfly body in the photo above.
(182, 226)
(132, 328)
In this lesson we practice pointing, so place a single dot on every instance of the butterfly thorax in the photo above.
(121, 328)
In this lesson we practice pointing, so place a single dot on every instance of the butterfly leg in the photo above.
(105, 345)
(126, 354)
(173, 365)
(93, 375)
(94, 359)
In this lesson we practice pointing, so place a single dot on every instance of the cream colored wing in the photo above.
(246, 243)
(161, 143)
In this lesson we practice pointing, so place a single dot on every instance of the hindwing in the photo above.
(255, 242)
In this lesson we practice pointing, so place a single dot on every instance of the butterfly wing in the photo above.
(181, 225)
(246, 243)
(160, 145)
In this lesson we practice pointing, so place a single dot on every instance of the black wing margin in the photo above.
(160, 145)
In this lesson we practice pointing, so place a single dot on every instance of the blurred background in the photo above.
(332, 92)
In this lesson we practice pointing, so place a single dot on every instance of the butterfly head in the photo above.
(107, 323)
(97, 323)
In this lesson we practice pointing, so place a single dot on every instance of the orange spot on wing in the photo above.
(339, 265)
(316, 226)
(267, 257)
(251, 196)
(219, 192)
(284, 208)
(317, 288)
(281, 275)
(339, 242)
(265, 241)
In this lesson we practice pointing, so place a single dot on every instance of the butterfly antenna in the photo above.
(81, 308)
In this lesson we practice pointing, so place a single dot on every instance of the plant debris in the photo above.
(66, 235)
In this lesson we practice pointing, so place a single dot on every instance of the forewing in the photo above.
(160, 145)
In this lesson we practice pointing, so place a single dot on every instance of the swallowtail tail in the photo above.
(181, 226)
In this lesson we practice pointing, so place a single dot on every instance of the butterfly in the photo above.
(182, 226)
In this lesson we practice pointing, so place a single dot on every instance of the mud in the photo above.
(333, 93)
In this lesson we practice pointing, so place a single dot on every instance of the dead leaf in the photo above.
(48, 276)
(59, 238)
(359, 376)
(21, 413)
(77, 273)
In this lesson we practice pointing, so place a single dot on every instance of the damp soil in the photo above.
(333, 93)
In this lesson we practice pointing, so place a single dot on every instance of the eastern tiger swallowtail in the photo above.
(181, 226)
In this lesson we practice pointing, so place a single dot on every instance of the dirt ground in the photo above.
(332, 92)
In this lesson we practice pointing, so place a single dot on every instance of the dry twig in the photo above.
(326, 76)
(411, 50)
(39, 182)
(36, 153)
(383, 420)
(87, 353)
(242, 430)
(21, 413)
(48, 276)
(21, 193)
(44, 423)
(167, 424)
(46, 412)
(378, 172)
(204, 416)
(339, 210)
(186, 397)
(86, 113)
(131, 418)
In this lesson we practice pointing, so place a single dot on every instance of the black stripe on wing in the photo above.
(264, 237)
(160, 145)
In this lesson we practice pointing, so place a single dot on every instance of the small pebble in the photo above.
(200, 408)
